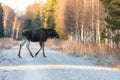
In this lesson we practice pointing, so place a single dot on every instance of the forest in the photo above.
(89, 27)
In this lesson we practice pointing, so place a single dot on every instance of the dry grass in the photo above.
(104, 54)
(118, 66)
(7, 43)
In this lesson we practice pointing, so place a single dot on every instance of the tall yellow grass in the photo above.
(104, 54)
(6, 43)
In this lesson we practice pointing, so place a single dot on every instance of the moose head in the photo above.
(52, 33)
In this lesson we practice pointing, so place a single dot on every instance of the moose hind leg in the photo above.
(21, 45)
(27, 45)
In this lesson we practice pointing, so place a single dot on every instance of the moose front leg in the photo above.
(39, 49)
(43, 49)
(27, 45)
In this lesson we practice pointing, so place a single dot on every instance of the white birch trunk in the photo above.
(82, 32)
(5, 23)
(14, 27)
(77, 21)
(98, 23)
(92, 25)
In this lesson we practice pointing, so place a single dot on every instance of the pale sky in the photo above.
(19, 5)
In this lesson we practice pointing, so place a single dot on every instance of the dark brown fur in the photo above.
(37, 35)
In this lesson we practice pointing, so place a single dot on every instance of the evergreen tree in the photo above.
(1, 21)
(37, 21)
(113, 18)
(49, 20)
(33, 16)
(27, 24)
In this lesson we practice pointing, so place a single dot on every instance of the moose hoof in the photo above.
(44, 56)
(32, 56)
(19, 56)
(35, 55)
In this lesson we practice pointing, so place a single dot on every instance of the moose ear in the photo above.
(50, 28)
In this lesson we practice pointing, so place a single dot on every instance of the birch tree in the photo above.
(8, 20)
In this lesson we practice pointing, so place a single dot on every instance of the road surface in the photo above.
(57, 66)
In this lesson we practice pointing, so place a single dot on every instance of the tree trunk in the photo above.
(92, 21)
(98, 23)
(82, 32)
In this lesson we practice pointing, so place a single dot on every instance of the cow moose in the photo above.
(37, 35)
